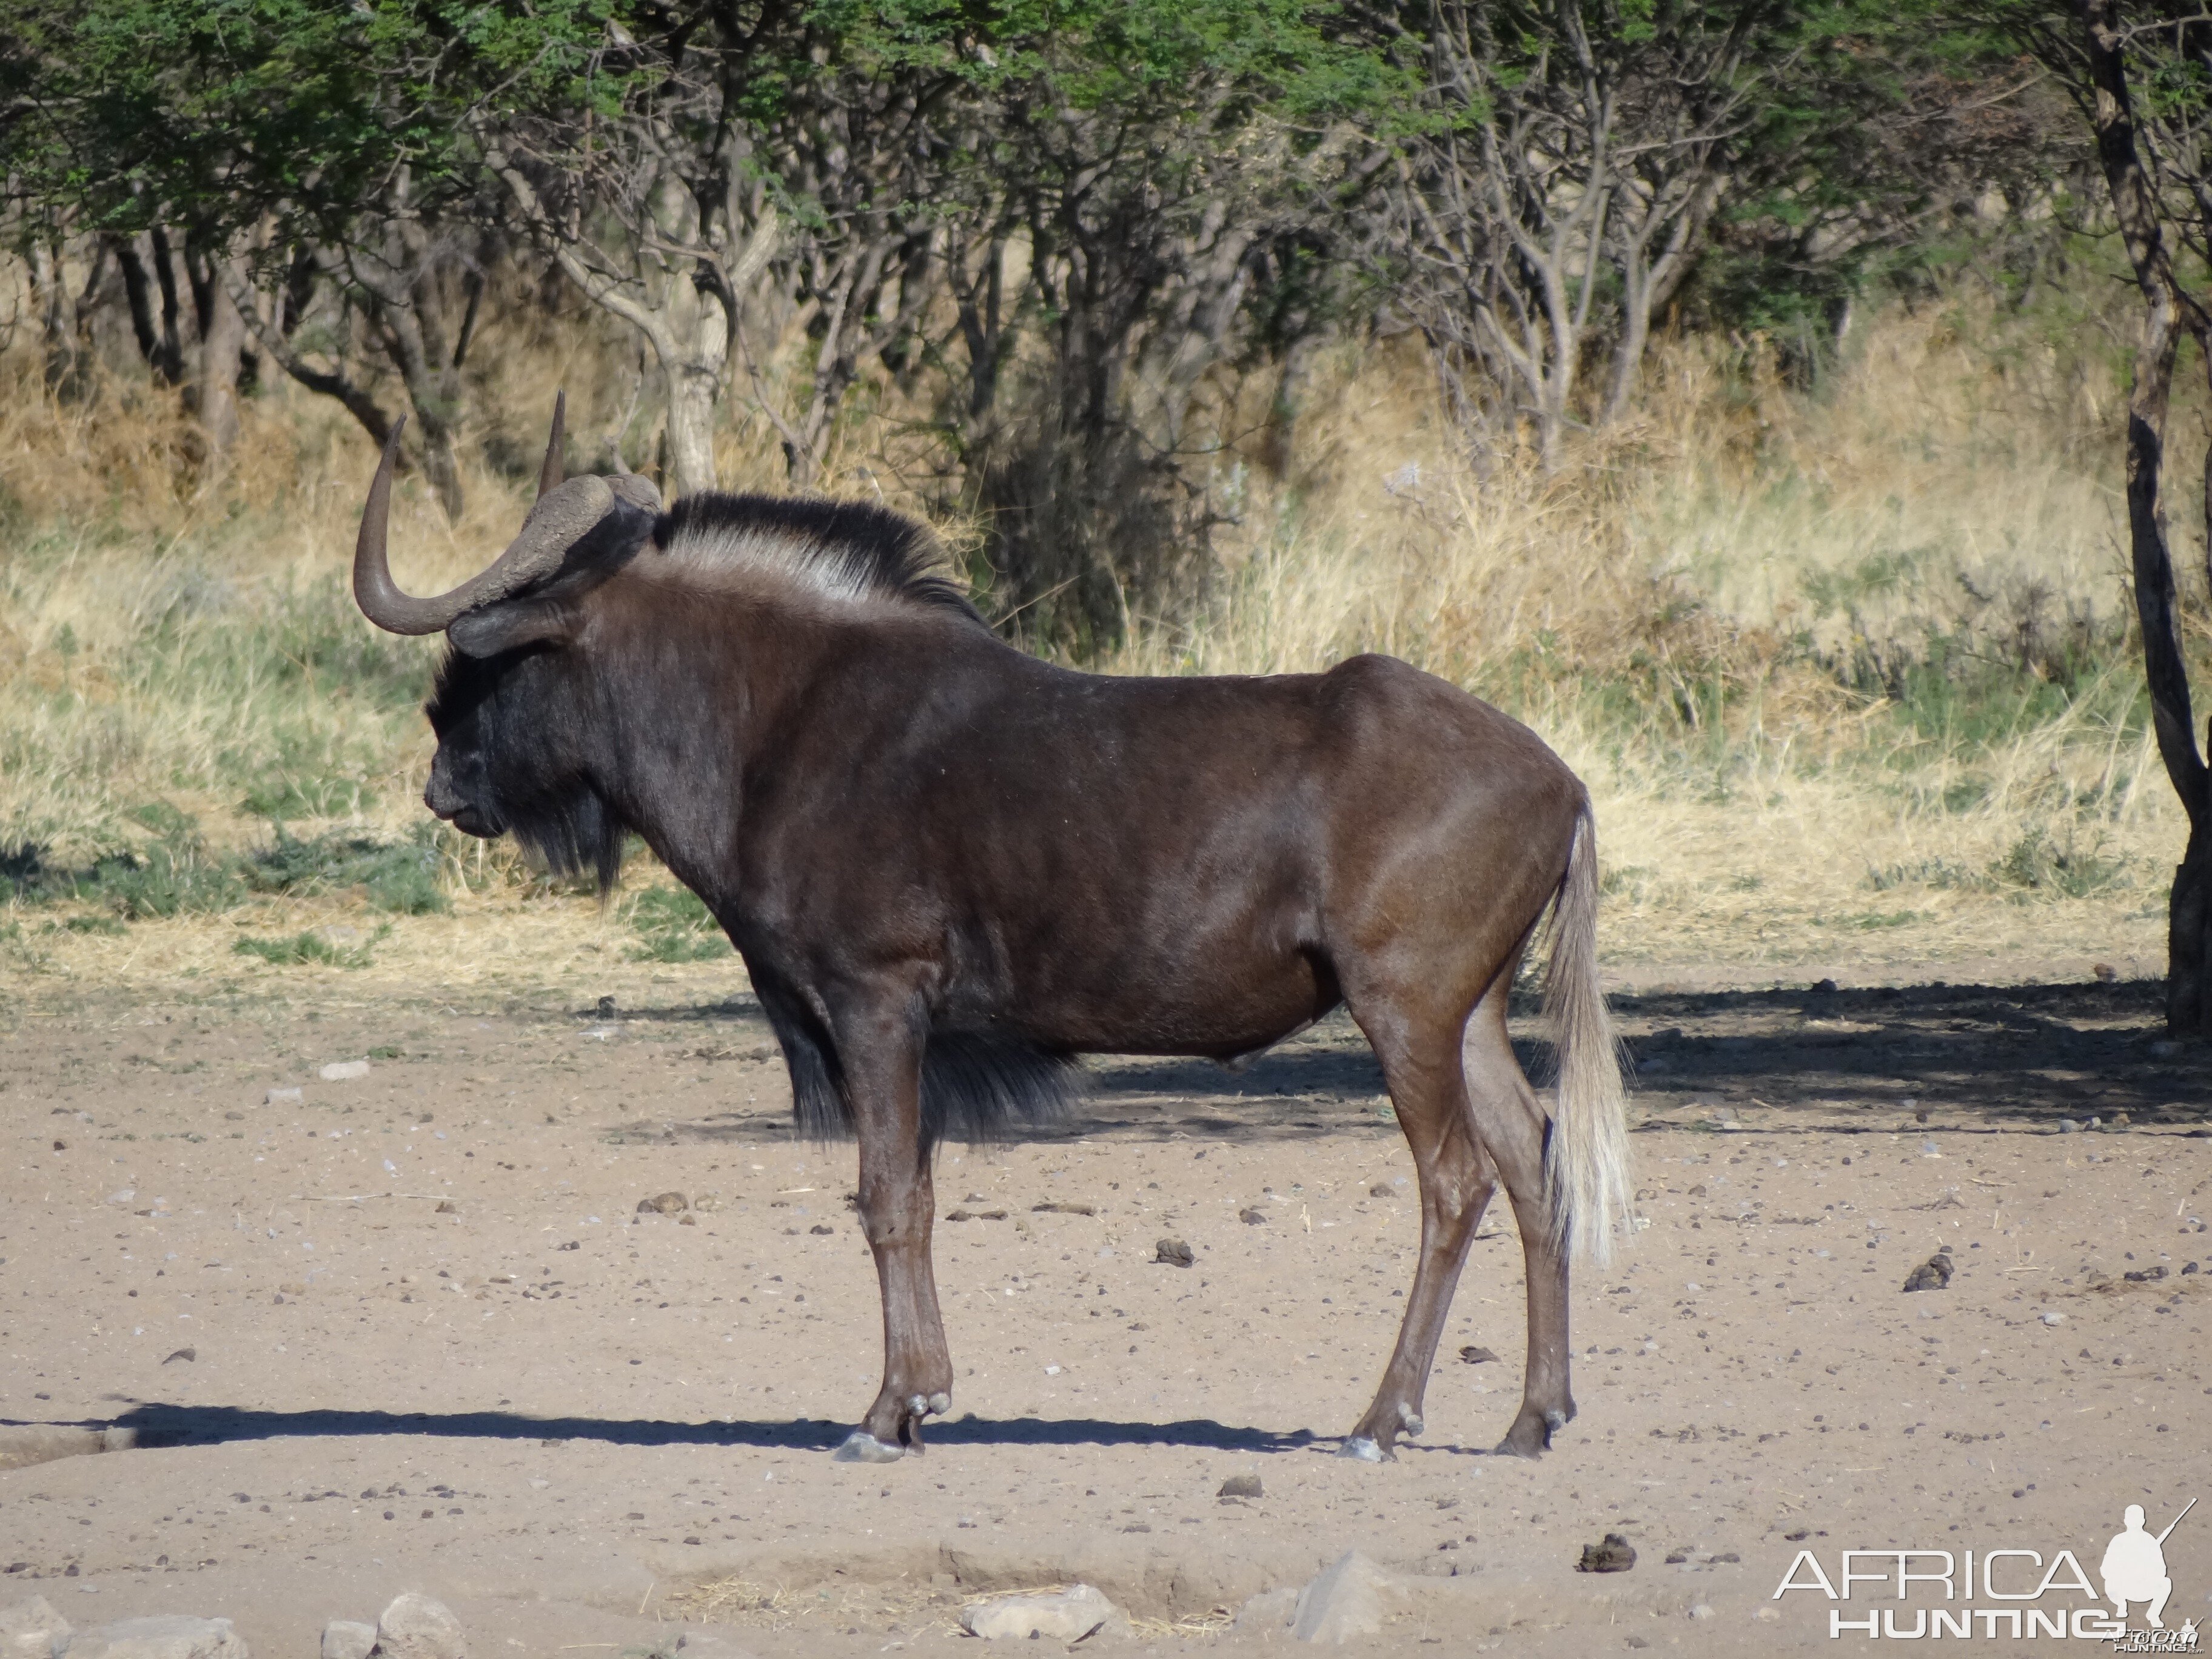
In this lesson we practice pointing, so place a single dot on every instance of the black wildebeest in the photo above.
(950, 868)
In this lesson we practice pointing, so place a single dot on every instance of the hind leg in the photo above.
(1421, 1062)
(1511, 1126)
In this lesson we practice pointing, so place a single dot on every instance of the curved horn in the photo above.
(562, 516)
(549, 475)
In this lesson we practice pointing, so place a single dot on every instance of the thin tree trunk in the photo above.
(2188, 916)
(215, 389)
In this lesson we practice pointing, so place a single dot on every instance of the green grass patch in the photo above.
(2041, 863)
(673, 925)
(310, 949)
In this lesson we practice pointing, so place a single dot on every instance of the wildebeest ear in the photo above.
(508, 625)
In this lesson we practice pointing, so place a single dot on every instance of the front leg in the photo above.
(880, 1056)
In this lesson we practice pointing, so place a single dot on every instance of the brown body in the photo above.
(950, 868)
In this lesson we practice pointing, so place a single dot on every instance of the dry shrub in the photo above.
(1803, 645)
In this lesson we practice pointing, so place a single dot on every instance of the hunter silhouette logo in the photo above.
(2134, 1567)
(2008, 1592)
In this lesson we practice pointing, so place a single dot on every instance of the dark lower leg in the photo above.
(897, 1205)
(1510, 1125)
(1456, 1184)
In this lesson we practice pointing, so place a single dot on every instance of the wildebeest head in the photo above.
(508, 709)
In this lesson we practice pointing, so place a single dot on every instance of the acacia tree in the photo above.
(2140, 72)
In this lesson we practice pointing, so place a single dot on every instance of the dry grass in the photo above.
(1846, 668)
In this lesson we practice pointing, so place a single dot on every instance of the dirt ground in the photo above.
(411, 1330)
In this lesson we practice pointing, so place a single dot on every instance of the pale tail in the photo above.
(1586, 1171)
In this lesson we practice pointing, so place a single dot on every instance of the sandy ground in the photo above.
(410, 1332)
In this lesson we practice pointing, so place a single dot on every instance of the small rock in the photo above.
(348, 1639)
(1472, 1355)
(1382, 1190)
(1056, 1207)
(2067, 1126)
(1824, 986)
(1175, 1253)
(2148, 1275)
(168, 1636)
(821, 1227)
(1933, 1274)
(291, 1096)
(1346, 1600)
(1270, 1610)
(2050, 1318)
(1703, 1611)
(2188, 1269)
(1070, 1616)
(32, 1629)
(415, 1627)
(1252, 1218)
(705, 1644)
(606, 1009)
(190, 1356)
(1615, 1554)
(1240, 1486)
(1638, 1642)
(446, 1206)
(344, 1071)
(664, 1204)
(2104, 973)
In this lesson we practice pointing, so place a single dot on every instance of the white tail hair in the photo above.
(1586, 1163)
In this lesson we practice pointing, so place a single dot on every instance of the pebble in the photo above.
(348, 1639)
(1472, 1355)
(1382, 1190)
(1070, 1616)
(1240, 1486)
(344, 1071)
(415, 1627)
(291, 1096)
(664, 1204)
(1702, 1610)
(168, 1635)
(1173, 1252)
(1252, 1218)
(2050, 1318)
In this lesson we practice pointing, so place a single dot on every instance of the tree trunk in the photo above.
(2188, 916)
(64, 350)
(215, 388)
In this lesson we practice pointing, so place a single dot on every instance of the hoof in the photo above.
(861, 1447)
(1555, 1420)
(1366, 1450)
(1410, 1420)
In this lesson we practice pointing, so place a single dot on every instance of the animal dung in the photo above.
(1933, 1274)
(974, 1215)
(1613, 1555)
(665, 1204)
(1175, 1253)
(1252, 1218)
(1472, 1355)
